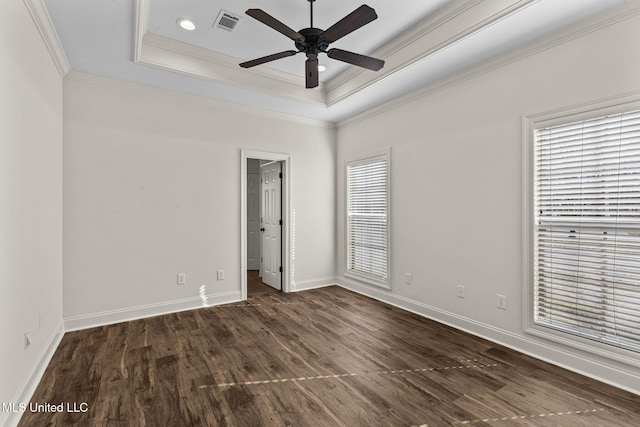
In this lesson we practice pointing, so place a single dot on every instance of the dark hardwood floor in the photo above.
(326, 357)
(255, 287)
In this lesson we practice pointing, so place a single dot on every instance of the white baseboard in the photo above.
(306, 285)
(24, 394)
(133, 313)
(628, 380)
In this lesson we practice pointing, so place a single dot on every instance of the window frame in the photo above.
(384, 154)
(530, 125)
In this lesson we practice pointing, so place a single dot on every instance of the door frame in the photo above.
(285, 159)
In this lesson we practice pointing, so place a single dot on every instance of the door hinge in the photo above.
(280, 269)
(280, 175)
(280, 222)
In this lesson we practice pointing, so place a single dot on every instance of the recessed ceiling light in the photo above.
(185, 24)
(322, 68)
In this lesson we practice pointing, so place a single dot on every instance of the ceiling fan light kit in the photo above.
(313, 41)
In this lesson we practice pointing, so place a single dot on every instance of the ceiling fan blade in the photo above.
(272, 22)
(356, 59)
(356, 19)
(311, 72)
(268, 58)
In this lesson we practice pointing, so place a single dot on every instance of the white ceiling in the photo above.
(421, 41)
(251, 39)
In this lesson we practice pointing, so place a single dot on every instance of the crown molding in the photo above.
(459, 20)
(409, 37)
(141, 24)
(42, 21)
(168, 44)
(181, 97)
(173, 55)
(628, 10)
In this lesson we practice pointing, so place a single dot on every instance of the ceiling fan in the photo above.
(312, 41)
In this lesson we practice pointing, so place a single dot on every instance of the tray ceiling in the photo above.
(421, 42)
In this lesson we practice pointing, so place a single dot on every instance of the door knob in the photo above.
(262, 229)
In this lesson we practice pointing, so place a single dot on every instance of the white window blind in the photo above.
(367, 214)
(587, 229)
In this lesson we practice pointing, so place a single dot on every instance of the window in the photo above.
(586, 227)
(367, 219)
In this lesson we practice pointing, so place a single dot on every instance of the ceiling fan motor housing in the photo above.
(313, 42)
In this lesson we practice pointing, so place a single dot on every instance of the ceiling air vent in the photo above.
(226, 21)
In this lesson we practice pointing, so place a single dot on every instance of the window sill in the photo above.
(610, 352)
(368, 280)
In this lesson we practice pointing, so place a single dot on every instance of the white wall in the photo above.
(152, 189)
(30, 204)
(456, 176)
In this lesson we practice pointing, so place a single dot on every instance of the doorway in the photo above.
(271, 223)
(265, 231)
(264, 226)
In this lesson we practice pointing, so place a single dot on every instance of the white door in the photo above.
(271, 219)
(253, 215)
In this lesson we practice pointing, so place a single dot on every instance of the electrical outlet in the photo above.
(501, 301)
(460, 290)
(220, 274)
(408, 278)
(182, 278)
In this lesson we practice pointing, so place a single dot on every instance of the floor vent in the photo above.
(226, 21)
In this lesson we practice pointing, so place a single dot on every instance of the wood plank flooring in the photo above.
(255, 287)
(326, 357)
